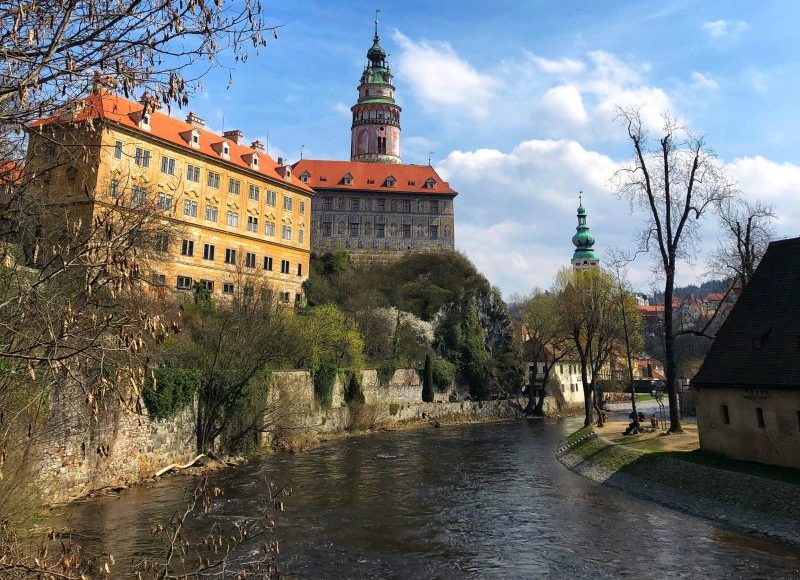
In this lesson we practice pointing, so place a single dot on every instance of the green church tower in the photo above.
(584, 256)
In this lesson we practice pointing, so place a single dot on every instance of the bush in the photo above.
(386, 371)
(168, 391)
(324, 379)
(444, 373)
(353, 393)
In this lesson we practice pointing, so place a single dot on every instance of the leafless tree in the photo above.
(747, 228)
(676, 179)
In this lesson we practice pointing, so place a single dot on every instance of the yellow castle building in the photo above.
(236, 211)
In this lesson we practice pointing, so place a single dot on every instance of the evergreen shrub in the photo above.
(172, 391)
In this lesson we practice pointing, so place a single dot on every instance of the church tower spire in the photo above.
(584, 256)
(375, 133)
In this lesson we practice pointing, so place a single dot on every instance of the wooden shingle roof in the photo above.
(758, 346)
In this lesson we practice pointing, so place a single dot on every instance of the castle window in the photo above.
(299, 269)
(252, 224)
(230, 256)
(354, 230)
(118, 150)
(434, 207)
(213, 180)
(145, 122)
(302, 207)
(353, 204)
(327, 228)
(301, 236)
(285, 267)
(760, 418)
(726, 416)
(142, 157)
(184, 283)
(382, 145)
(347, 179)
(233, 219)
(187, 248)
(407, 206)
(138, 195)
(390, 181)
(167, 165)
(211, 213)
(253, 192)
(164, 201)
(227, 287)
(433, 232)
(234, 186)
(269, 229)
(380, 230)
(193, 173)
(287, 233)
(208, 252)
(249, 260)
(226, 149)
(268, 263)
(254, 163)
(287, 203)
(113, 189)
(406, 230)
(207, 285)
(305, 176)
(327, 204)
(430, 184)
(271, 198)
(195, 138)
(162, 243)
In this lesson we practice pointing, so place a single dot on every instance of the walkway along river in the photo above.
(480, 501)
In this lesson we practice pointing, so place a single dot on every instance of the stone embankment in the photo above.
(744, 503)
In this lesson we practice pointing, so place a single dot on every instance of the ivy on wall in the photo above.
(167, 391)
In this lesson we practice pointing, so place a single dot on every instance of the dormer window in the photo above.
(305, 177)
(254, 162)
(144, 123)
(195, 139)
(347, 179)
(390, 181)
(226, 150)
(430, 184)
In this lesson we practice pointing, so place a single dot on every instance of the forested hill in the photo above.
(694, 289)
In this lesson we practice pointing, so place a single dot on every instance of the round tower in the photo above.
(584, 256)
(375, 134)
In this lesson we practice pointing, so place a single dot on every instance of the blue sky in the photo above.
(516, 101)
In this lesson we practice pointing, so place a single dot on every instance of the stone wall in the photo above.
(81, 452)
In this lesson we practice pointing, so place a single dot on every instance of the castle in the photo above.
(373, 206)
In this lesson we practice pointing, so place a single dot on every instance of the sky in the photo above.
(515, 104)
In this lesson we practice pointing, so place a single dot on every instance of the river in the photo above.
(474, 501)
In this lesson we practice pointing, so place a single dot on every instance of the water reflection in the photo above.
(486, 501)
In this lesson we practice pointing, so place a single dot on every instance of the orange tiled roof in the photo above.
(372, 177)
(110, 107)
(715, 296)
(653, 308)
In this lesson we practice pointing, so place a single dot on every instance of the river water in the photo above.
(475, 501)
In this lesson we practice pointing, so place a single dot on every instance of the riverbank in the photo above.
(671, 470)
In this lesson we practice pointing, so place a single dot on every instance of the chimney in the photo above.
(235, 135)
(194, 120)
(257, 145)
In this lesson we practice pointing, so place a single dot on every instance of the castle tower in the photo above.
(584, 256)
(376, 117)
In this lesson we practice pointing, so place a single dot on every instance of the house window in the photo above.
(353, 230)
(187, 248)
(226, 149)
(113, 189)
(380, 230)
(118, 150)
(268, 263)
(164, 201)
(269, 229)
(380, 205)
(211, 213)
(302, 207)
(353, 204)
(213, 180)
(142, 157)
(301, 236)
(726, 417)
(430, 184)
(159, 279)
(195, 138)
(433, 232)
(189, 208)
(253, 192)
(287, 233)
(304, 177)
(272, 198)
(327, 204)
(760, 418)
(234, 185)
(227, 287)
(162, 243)
(167, 165)
(381, 142)
(406, 230)
(207, 285)
(299, 269)
(326, 228)
(252, 224)
(208, 251)
(184, 283)
(284, 266)
(233, 219)
(285, 297)
(230, 256)
(287, 203)
(138, 195)
(390, 182)
(249, 260)
(248, 291)
(193, 173)
(434, 207)
(407, 206)
(347, 179)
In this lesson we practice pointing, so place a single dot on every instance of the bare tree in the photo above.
(747, 228)
(676, 180)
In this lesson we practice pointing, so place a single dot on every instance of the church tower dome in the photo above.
(375, 134)
(583, 240)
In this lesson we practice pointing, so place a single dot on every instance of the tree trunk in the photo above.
(588, 396)
(670, 365)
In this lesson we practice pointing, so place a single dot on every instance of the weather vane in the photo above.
(580, 197)
(377, 11)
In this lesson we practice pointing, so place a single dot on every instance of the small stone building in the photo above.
(748, 389)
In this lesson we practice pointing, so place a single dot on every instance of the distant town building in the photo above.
(584, 256)
(373, 206)
(748, 388)
(236, 210)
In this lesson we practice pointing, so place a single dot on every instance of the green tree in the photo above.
(427, 380)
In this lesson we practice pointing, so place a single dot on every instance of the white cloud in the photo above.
(775, 183)
(704, 82)
(725, 28)
(566, 104)
(440, 79)
(562, 66)
(340, 107)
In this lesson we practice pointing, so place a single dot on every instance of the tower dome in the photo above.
(375, 133)
(584, 256)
